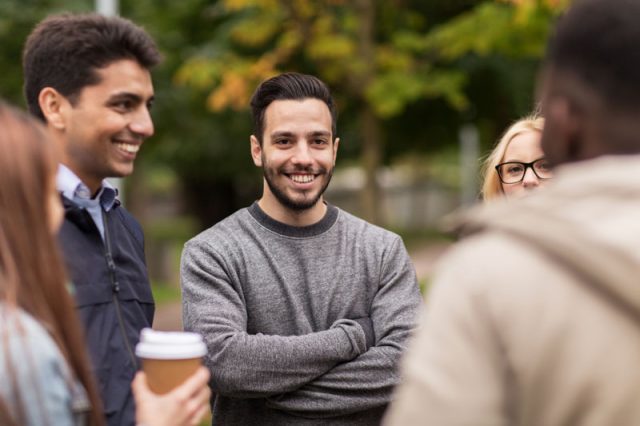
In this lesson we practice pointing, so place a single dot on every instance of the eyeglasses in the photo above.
(514, 171)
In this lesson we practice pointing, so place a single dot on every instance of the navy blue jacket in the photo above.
(113, 297)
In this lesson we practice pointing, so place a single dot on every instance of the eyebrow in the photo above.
(523, 162)
(291, 134)
(130, 96)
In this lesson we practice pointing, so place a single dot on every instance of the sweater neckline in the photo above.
(317, 228)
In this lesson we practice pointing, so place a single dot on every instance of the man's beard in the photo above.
(304, 204)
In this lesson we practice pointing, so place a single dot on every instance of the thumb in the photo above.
(139, 386)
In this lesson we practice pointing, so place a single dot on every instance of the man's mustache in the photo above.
(302, 169)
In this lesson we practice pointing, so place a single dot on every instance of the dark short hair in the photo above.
(289, 86)
(65, 51)
(598, 42)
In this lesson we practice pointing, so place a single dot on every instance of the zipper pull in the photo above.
(110, 263)
(112, 271)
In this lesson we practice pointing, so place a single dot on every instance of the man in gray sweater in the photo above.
(305, 308)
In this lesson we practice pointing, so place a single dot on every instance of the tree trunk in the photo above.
(371, 158)
(372, 141)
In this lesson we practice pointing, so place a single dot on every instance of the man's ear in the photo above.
(563, 137)
(54, 107)
(256, 151)
(336, 143)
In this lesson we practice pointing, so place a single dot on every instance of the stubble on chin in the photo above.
(287, 201)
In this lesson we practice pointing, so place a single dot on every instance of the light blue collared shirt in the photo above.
(75, 190)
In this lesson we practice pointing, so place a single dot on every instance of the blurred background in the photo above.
(424, 89)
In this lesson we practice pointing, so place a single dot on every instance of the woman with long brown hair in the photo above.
(42, 348)
(45, 377)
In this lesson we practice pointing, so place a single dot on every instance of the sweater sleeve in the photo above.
(367, 381)
(247, 365)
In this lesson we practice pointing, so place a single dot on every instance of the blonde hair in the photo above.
(491, 186)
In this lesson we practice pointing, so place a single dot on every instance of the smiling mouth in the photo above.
(302, 178)
(128, 147)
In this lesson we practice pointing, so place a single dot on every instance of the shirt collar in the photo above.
(330, 217)
(70, 185)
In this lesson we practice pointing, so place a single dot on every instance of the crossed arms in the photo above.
(321, 374)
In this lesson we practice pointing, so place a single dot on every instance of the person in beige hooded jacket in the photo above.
(534, 318)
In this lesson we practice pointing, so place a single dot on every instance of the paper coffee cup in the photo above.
(169, 358)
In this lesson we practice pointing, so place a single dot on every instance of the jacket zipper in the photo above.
(115, 287)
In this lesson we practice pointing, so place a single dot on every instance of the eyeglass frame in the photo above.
(525, 165)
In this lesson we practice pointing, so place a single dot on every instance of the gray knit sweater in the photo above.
(281, 309)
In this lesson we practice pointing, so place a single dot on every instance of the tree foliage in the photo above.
(17, 18)
(406, 75)
(261, 38)
(381, 58)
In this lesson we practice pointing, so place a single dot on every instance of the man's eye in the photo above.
(320, 141)
(123, 105)
(281, 141)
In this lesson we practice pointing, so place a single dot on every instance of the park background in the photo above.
(424, 89)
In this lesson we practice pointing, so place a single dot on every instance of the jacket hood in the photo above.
(587, 219)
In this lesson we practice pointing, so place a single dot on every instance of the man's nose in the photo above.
(302, 154)
(142, 123)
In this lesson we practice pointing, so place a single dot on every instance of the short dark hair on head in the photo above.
(289, 86)
(65, 51)
(598, 41)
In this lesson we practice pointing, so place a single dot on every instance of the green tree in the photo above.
(406, 74)
(17, 19)
(209, 152)
(380, 57)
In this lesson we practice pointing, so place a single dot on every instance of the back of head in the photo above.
(64, 52)
(289, 86)
(597, 42)
(592, 66)
(32, 276)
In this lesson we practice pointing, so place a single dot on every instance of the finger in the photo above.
(204, 396)
(199, 400)
(193, 384)
(198, 404)
(199, 415)
(201, 376)
(186, 412)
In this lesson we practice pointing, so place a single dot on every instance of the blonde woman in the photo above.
(517, 164)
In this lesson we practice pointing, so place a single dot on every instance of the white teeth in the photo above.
(130, 148)
(302, 178)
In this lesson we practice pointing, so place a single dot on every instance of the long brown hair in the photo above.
(32, 275)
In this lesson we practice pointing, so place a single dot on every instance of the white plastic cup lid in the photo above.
(170, 345)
